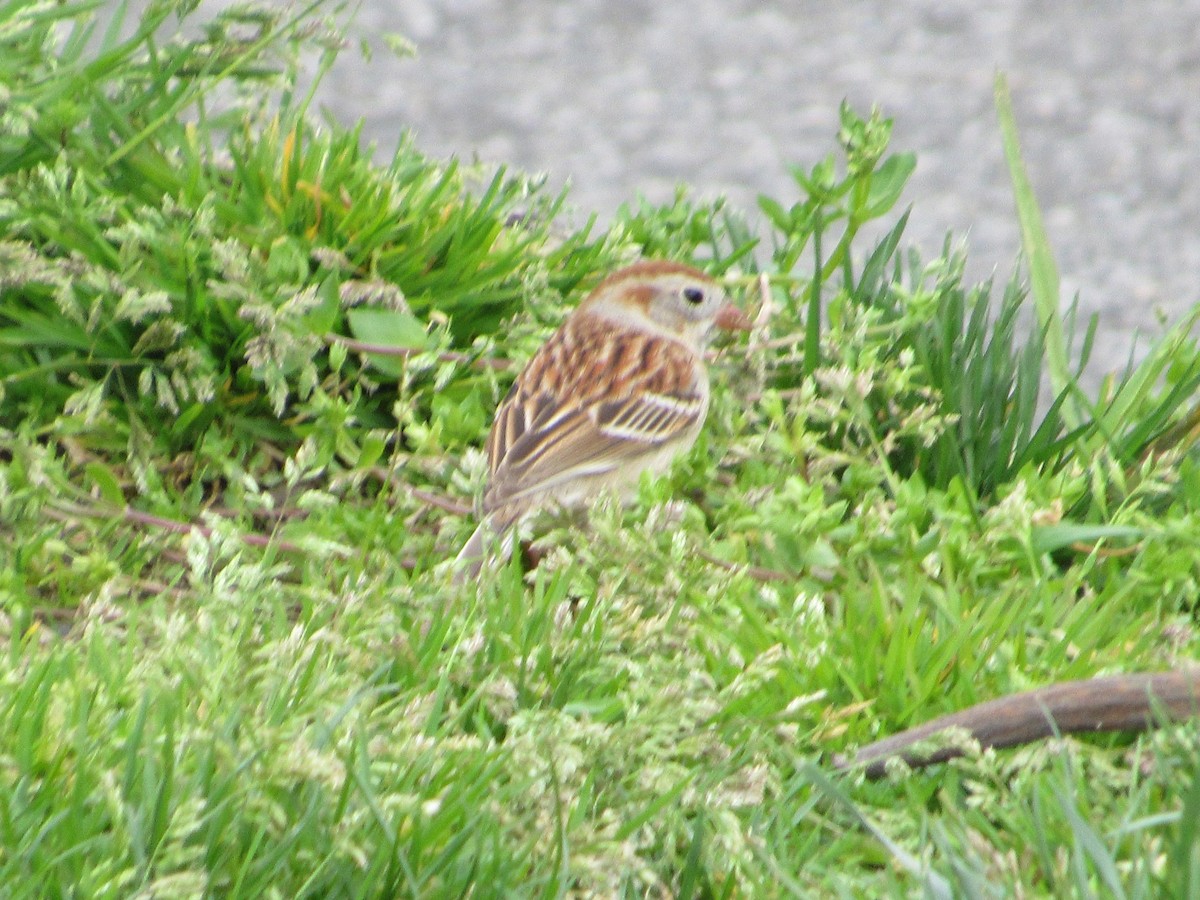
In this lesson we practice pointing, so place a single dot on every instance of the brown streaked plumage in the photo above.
(587, 401)
(619, 389)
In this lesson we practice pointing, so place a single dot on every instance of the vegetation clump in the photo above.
(245, 375)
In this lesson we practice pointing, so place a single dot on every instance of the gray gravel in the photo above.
(632, 96)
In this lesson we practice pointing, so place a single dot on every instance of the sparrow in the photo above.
(619, 389)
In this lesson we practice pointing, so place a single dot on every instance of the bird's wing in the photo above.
(588, 402)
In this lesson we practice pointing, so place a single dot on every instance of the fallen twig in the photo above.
(1113, 703)
(129, 514)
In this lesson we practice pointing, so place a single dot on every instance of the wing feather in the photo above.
(589, 402)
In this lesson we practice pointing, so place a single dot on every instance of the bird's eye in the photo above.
(693, 295)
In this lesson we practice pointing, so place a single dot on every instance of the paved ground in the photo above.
(627, 96)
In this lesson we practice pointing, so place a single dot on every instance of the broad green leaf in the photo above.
(370, 451)
(775, 212)
(1048, 538)
(106, 481)
(888, 183)
(323, 317)
(390, 329)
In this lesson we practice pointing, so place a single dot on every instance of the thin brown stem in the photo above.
(480, 362)
(446, 504)
(758, 573)
(136, 516)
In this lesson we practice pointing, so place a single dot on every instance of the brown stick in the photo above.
(1114, 703)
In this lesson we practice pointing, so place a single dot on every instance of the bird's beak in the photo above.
(730, 318)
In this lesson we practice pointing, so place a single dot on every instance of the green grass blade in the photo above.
(1043, 271)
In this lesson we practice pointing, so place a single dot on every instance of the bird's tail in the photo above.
(470, 558)
(490, 539)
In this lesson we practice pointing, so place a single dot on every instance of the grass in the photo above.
(245, 374)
